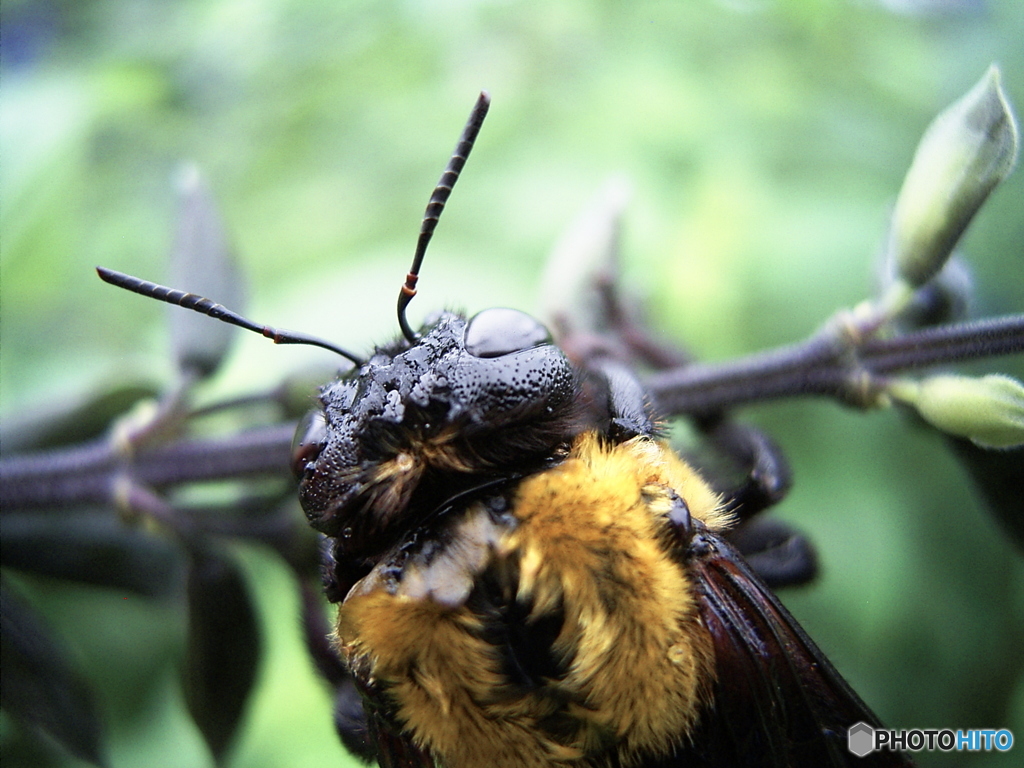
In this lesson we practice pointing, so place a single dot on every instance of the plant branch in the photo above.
(946, 344)
(830, 365)
(84, 474)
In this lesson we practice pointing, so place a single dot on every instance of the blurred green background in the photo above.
(764, 142)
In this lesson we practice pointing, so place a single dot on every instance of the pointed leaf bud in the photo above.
(962, 157)
(201, 262)
(988, 411)
(584, 262)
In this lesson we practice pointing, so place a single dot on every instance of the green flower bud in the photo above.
(988, 410)
(962, 157)
(202, 262)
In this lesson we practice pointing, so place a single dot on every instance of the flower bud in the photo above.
(989, 410)
(966, 151)
(202, 262)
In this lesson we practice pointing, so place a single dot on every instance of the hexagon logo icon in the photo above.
(860, 739)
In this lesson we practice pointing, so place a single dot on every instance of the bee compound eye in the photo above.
(500, 331)
(310, 438)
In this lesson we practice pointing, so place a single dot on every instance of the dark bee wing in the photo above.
(778, 701)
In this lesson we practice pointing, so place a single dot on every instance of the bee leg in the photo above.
(336, 574)
(351, 723)
(778, 553)
(627, 406)
(767, 477)
(350, 719)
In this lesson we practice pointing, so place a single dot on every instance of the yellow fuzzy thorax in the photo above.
(590, 542)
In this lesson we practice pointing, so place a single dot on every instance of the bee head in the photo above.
(468, 401)
(459, 405)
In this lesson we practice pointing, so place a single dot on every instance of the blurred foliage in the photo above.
(764, 141)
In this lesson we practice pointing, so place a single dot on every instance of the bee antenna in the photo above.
(436, 205)
(207, 307)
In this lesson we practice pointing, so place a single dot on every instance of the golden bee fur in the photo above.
(586, 539)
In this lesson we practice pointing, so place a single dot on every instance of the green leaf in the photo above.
(90, 547)
(72, 419)
(999, 477)
(41, 687)
(223, 648)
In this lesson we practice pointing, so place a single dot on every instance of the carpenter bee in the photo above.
(529, 575)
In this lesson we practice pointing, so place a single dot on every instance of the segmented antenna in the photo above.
(436, 205)
(207, 307)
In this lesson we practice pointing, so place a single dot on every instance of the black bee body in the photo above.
(530, 577)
